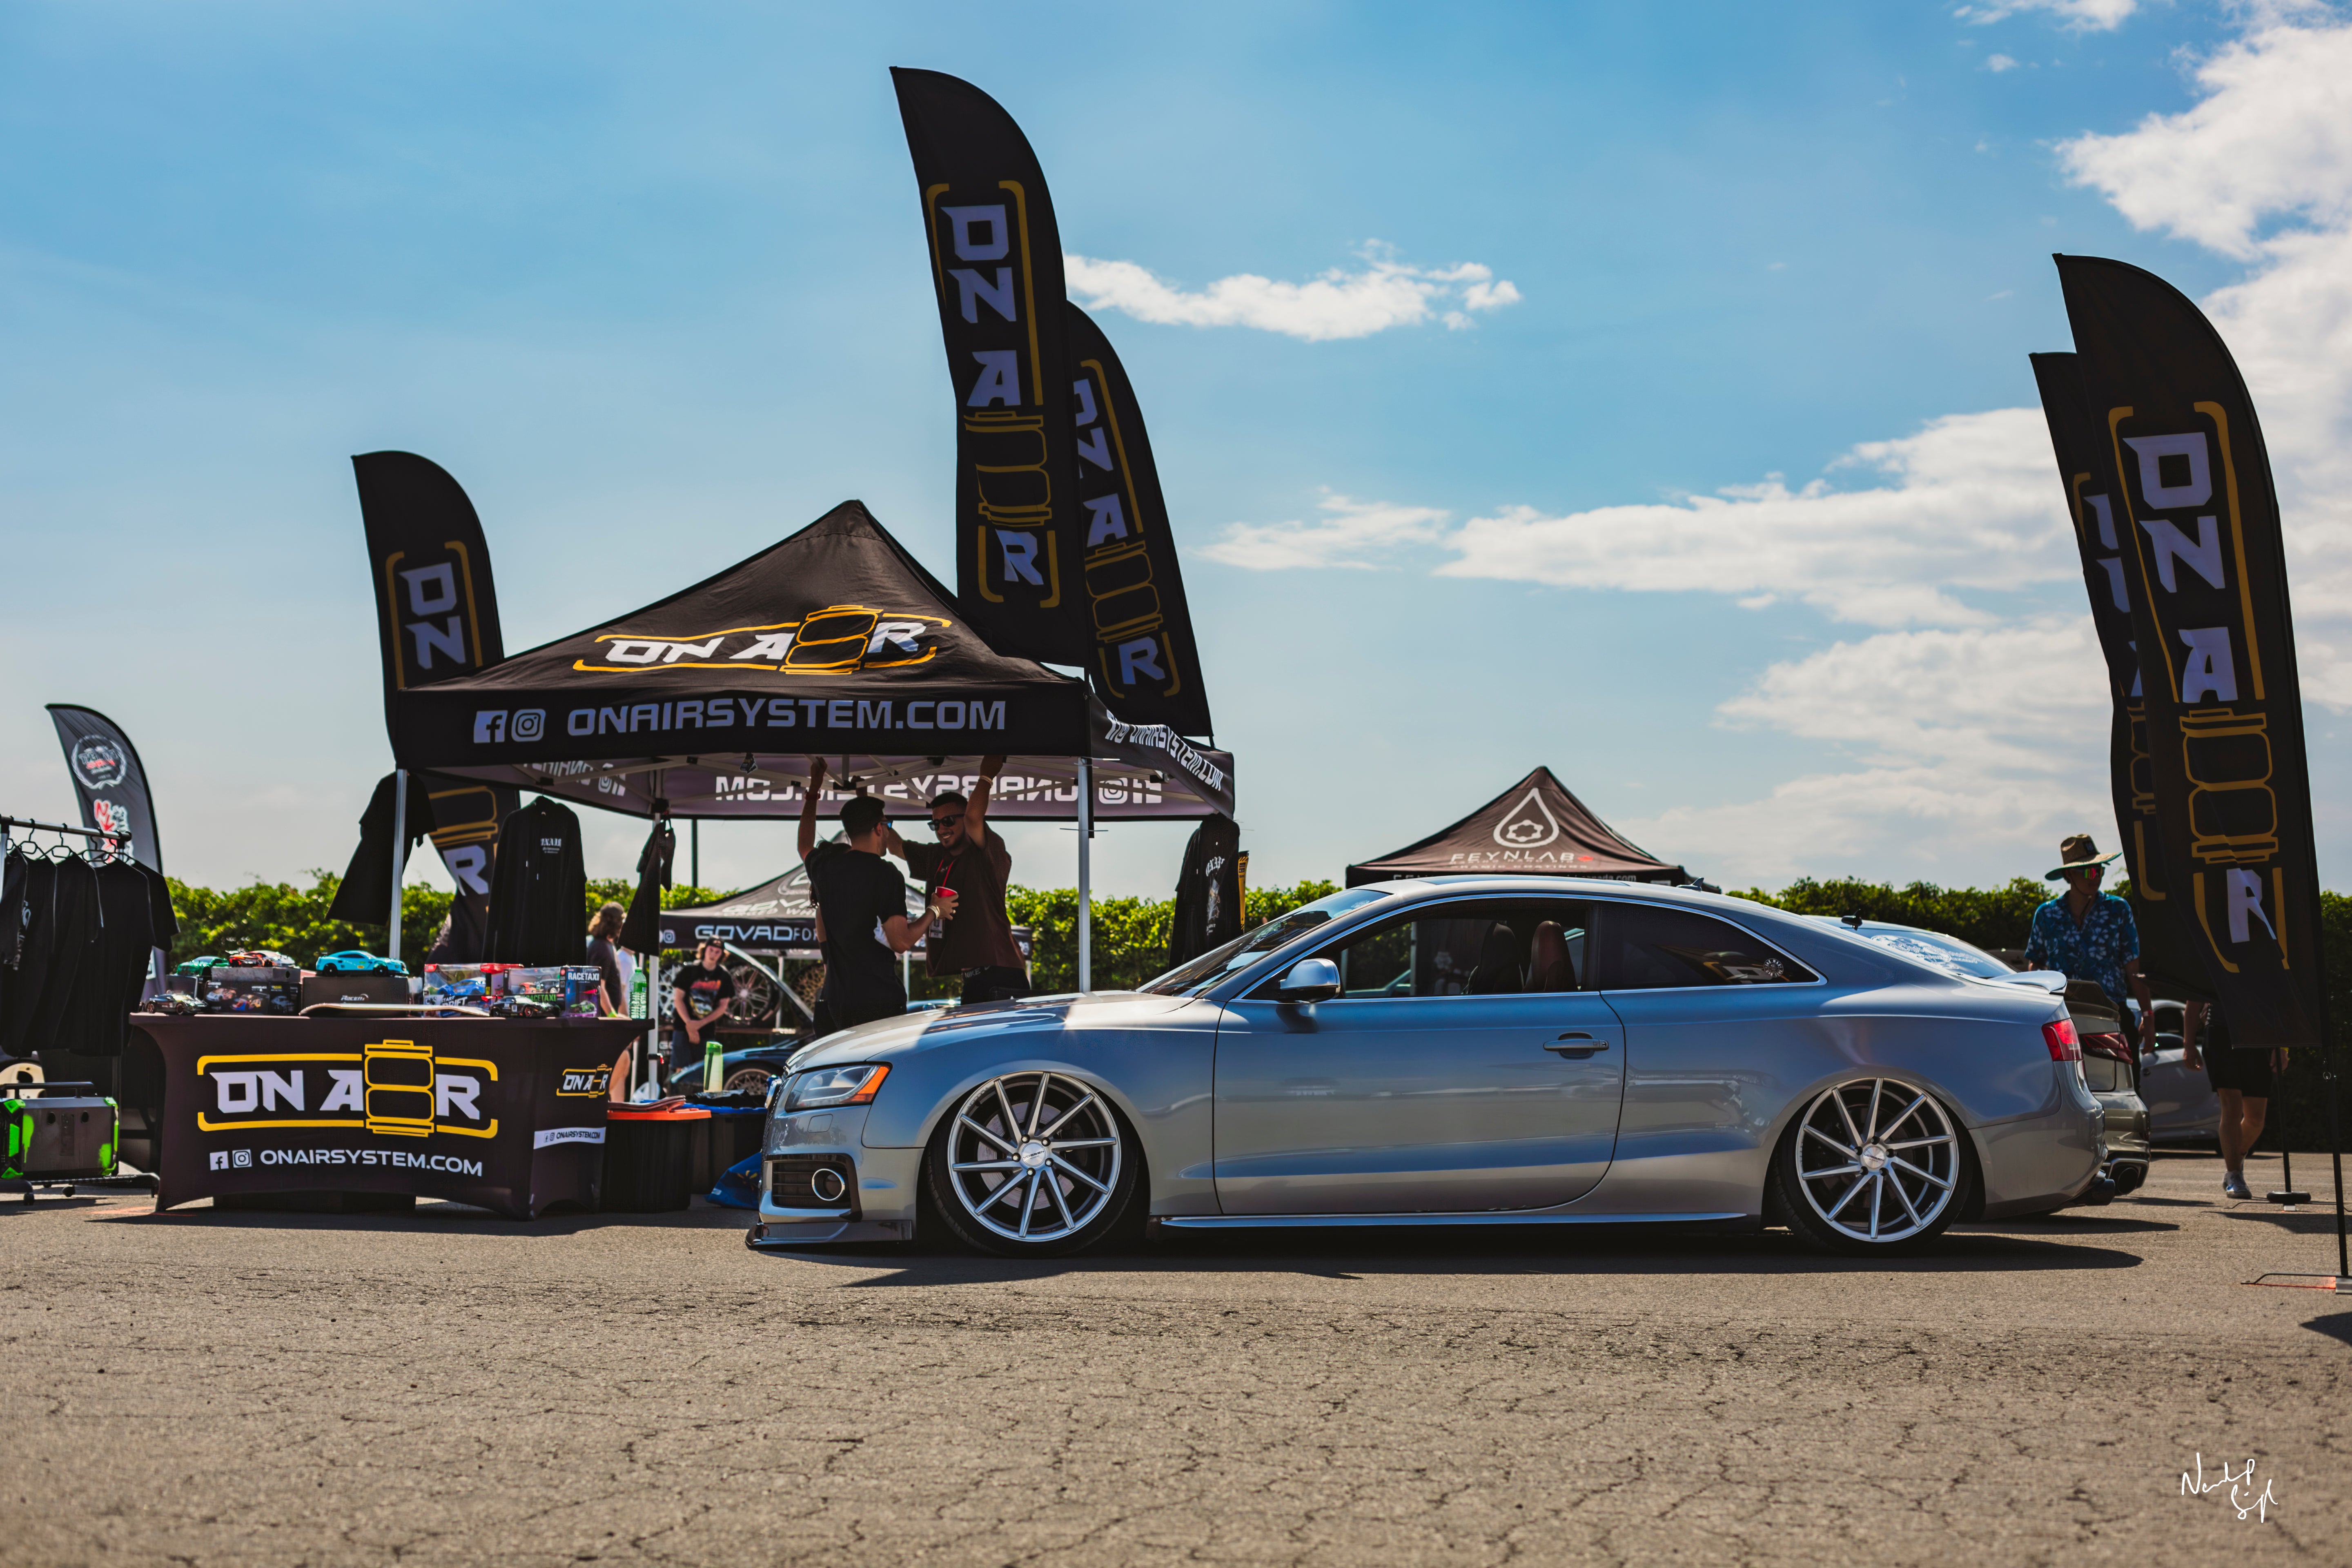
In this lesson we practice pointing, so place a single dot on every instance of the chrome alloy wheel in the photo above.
(1877, 1160)
(1032, 1156)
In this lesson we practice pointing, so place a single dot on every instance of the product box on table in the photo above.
(354, 987)
(462, 982)
(251, 988)
(573, 985)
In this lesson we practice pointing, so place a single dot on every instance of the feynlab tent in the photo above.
(1533, 829)
(832, 643)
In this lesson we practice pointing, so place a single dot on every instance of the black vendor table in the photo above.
(499, 1113)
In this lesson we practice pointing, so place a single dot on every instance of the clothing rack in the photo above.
(8, 822)
(120, 848)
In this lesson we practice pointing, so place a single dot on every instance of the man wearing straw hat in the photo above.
(2089, 935)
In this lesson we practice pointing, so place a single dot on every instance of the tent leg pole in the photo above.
(399, 856)
(1085, 870)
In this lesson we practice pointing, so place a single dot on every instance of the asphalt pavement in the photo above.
(204, 1388)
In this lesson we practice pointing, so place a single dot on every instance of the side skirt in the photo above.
(1318, 1221)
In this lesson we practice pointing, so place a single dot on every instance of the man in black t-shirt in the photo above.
(861, 905)
(700, 995)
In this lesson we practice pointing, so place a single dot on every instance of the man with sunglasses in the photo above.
(971, 862)
(2087, 934)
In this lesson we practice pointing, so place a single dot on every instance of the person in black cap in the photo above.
(861, 908)
(2085, 934)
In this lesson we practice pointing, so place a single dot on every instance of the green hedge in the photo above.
(1130, 937)
(293, 921)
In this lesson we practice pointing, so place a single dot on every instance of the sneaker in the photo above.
(2233, 1185)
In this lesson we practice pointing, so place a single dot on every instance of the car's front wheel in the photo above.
(1032, 1164)
(1871, 1166)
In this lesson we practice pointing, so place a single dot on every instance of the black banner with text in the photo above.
(1145, 663)
(2197, 523)
(997, 265)
(2169, 956)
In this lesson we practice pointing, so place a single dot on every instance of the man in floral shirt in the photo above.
(2089, 935)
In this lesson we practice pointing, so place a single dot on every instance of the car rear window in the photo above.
(1646, 947)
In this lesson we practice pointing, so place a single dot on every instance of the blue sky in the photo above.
(650, 282)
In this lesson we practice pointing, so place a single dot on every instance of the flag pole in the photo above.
(399, 855)
(1085, 867)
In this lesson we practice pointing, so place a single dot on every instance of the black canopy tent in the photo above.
(834, 642)
(1535, 828)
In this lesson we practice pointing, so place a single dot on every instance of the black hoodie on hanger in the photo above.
(539, 888)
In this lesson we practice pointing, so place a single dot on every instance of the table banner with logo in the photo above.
(501, 1113)
(834, 642)
(1535, 828)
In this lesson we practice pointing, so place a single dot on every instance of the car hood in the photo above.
(894, 1039)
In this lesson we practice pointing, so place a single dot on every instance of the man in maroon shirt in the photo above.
(965, 872)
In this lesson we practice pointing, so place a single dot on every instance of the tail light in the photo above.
(2065, 1045)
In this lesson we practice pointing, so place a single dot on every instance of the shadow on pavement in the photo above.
(2335, 1325)
(434, 1217)
(1354, 1254)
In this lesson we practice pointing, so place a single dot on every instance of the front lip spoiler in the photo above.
(1508, 1217)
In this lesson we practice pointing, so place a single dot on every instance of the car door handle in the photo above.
(1577, 1045)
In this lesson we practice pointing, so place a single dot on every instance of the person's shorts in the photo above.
(2248, 1072)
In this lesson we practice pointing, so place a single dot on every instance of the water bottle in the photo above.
(637, 993)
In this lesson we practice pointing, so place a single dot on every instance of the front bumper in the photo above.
(875, 1200)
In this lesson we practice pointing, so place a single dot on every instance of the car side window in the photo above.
(1647, 947)
(1466, 948)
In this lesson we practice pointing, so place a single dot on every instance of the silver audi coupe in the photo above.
(1473, 1050)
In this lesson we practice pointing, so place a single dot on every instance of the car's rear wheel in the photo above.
(747, 1080)
(1032, 1164)
(1871, 1166)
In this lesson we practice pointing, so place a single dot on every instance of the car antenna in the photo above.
(1854, 921)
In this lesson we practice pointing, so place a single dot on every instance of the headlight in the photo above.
(835, 1086)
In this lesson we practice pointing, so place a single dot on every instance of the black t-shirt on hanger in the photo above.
(105, 987)
(58, 941)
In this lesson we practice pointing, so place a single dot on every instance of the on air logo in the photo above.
(394, 1088)
(432, 605)
(580, 1082)
(837, 638)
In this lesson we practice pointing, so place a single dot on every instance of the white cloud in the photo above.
(2272, 138)
(1998, 64)
(1966, 745)
(1339, 304)
(1348, 532)
(2081, 15)
(1973, 503)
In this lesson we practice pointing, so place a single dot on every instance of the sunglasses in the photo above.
(942, 822)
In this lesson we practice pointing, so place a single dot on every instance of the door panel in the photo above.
(1415, 1104)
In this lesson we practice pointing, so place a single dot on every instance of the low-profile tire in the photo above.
(1870, 1167)
(1032, 1164)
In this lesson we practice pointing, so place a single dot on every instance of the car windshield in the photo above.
(1191, 979)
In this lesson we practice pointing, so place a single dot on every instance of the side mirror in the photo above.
(1309, 980)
